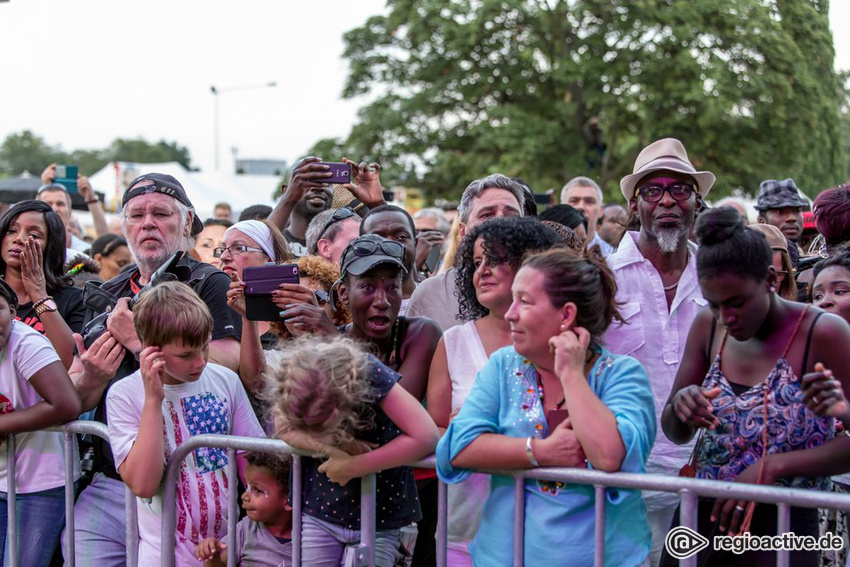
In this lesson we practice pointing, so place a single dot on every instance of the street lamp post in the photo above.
(216, 91)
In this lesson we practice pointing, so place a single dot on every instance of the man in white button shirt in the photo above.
(657, 285)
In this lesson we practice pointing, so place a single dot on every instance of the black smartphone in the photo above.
(260, 282)
(433, 259)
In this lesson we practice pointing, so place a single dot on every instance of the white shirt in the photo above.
(654, 335)
(436, 299)
(39, 455)
(214, 403)
(604, 247)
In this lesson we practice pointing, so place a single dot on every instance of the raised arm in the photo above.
(144, 465)
(305, 175)
(419, 436)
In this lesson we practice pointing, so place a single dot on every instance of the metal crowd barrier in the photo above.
(688, 488)
(68, 430)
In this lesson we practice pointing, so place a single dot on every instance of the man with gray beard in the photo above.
(657, 286)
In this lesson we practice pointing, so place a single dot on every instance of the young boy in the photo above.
(263, 537)
(173, 396)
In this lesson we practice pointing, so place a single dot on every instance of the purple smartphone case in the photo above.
(341, 172)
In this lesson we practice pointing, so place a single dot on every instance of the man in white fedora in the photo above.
(656, 274)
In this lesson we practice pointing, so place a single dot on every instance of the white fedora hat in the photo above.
(666, 154)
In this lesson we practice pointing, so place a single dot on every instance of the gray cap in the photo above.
(369, 250)
(775, 194)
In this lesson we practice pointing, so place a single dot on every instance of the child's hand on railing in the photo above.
(339, 468)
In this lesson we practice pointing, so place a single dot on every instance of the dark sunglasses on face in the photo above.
(339, 215)
(654, 193)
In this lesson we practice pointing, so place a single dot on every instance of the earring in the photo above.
(563, 327)
(773, 289)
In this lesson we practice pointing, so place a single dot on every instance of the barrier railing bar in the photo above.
(11, 497)
(712, 488)
(232, 506)
(172, 470)
(442, 523)
(783, 521)
(131, 527)
(368, 525)
(519, 522)
(296, 510)
(599, 528)
(688, 518)
(69, 498)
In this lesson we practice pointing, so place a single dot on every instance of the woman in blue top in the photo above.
(561, 305)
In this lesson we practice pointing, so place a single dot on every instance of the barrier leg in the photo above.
(131, 528)
(783, 521)
(599, 529)
(232, 510)
(11, 504)
(442, 523)
(365, 552)
(519, 521)
(296, 495)
(688, 518)
(70, 561)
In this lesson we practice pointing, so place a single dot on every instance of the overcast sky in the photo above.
(80, 73)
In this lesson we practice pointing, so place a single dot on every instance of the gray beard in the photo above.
(668, 239)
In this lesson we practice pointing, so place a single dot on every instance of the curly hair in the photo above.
(277, 464)
(321, 388)
(327, 274)
(505, 240)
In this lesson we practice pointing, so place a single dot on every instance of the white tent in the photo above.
(204, 189)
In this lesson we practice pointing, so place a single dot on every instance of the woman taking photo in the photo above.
(561, 305)
(739, 386)
(32, 257)
(489, 257)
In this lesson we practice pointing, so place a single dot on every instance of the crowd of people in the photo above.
(662, 336)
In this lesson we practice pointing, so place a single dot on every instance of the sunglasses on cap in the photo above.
(339, 215)
(361, 248)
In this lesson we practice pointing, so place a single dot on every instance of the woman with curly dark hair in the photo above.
(32, 238)
(486, 262)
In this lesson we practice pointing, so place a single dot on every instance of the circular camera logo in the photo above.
(683, 542)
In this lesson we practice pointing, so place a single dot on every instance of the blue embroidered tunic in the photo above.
(559, 518)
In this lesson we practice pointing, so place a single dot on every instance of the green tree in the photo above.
(470, 87)
(25, 151)
(142, 151)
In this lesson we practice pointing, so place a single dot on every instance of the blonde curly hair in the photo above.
(320, 387)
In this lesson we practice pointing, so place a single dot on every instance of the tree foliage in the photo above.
(463, 88)
(25, 151)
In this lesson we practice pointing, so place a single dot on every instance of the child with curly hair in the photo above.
(333, 398)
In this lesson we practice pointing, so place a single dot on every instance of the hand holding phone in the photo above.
(66, 175)
(260, 283)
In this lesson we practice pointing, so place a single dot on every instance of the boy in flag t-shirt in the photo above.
(175, 395)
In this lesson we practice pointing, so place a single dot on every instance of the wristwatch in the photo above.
(45, 305)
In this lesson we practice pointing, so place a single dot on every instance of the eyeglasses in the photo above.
(339, 215)
(136, 217)
(368, 247)
(654, 193)
(235, 250)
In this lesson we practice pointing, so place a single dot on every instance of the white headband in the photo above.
(259, 232)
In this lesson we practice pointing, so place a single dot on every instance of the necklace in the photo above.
(671, 287)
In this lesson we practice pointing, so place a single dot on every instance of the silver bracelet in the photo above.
(529, 453)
